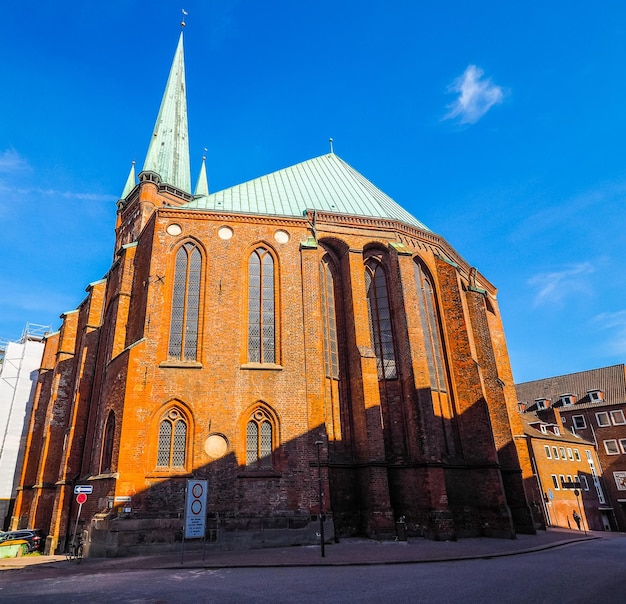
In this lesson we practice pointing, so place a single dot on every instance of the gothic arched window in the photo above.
(329, 319)
(172, 447)
(261, 307)
(431, 326)
(379, 312)
(183, 343)
(259, 440)
(107, 444)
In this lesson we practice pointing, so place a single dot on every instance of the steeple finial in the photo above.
(330, 140)
(185, 13)
(168, 152)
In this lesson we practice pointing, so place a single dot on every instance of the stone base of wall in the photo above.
(118, 536)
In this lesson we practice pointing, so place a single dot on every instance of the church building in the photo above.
(299, 322)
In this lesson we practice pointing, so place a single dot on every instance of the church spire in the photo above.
(202, 186)
(130, 182)
(168, 153)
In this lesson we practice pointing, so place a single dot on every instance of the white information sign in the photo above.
(195, 508)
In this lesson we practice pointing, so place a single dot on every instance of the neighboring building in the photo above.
(563, 461)
(19, 364)
(592, 405)
(237, 330)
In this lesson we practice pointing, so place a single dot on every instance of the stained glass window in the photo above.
(329, 319)
(259, 440)
(432, 331)
(172, 447)
(183, 343)
(381, 328)
(261, 308)
(107, 444)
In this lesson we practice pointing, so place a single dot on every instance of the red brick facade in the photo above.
(390, 448)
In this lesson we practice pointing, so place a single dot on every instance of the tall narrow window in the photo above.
(259, 440)
(432, 331)
(107, 444)
(261, 308)
(172, 447)
(185, 304)
(380, 320)
(331, 356)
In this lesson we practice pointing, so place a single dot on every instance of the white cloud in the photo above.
(476, 96)
(616, 323)
(11, 161)
(553, 288)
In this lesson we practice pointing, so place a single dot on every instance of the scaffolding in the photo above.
(33, 332)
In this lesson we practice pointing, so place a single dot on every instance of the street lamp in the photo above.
(318, 444)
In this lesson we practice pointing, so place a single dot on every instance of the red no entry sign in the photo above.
(81, 498)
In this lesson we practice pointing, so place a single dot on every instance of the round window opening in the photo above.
(216, 446)
(281, 236)
(225, 233)
(174, 229)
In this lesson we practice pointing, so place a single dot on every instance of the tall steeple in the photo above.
(168, 153)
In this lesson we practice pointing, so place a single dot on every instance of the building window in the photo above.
(583, 482)
(431, 326)
(622, 444)
(183, 343)
(577, 454)
(595, 395)
(259, 440)
(562, 450)
(329, 319)
(547, 450)
(618, 417)
(570, 453)
(544, 429)
(541, 403)
(172, 447)
(579, 421)
(611, 447)
(603, 419)
(107, 444)
(557, 430)
(566, 400)
(379, 312)
(555, 482)
(562, 478)
(555, 453)
(261, 307)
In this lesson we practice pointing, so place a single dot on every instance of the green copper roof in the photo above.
(325, 183)
(202, 186)
(168, 153)
(131, 181)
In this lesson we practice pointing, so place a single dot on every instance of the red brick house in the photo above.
(592, 405)
(237, 330)
(566, 469)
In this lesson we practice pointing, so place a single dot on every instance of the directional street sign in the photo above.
(83, 488)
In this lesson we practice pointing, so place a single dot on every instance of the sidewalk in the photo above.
(349, 552)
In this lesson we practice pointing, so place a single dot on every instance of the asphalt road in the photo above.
(586, 572)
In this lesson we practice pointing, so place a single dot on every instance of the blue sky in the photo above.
(500, 125)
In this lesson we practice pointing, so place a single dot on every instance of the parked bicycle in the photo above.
(75, 551)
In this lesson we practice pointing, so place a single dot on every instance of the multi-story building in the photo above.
(592, 405)
(242, 333)
(566, 469)
(19, 362)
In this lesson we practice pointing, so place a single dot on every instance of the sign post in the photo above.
(195, 511)
(81, 496)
